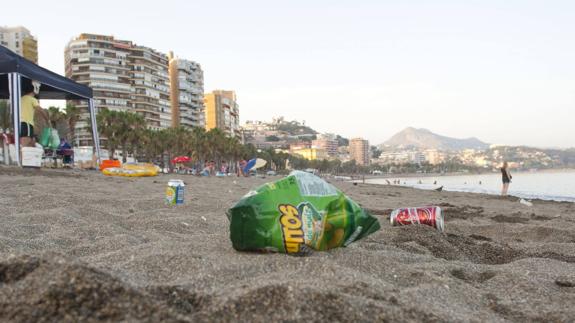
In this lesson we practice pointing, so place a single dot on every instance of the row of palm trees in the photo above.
(127, 131)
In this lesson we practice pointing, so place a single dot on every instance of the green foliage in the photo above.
(375, 152)
(127, 131)
(72, 116)
(4, 114)
(295, 128)
(341, 141)
(272, 138)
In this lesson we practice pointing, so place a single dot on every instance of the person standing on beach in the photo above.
(506, 178)
(29, 106)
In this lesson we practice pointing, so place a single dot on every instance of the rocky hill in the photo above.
(425, 139)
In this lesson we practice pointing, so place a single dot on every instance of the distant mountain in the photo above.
(423, 138)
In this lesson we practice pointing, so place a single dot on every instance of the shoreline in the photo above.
(539, 198)
(475, 189)
(423, 175)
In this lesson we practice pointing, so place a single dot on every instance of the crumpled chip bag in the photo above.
(297, 214)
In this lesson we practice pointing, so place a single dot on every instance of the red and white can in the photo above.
(428, 215)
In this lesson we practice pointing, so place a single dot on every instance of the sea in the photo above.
(545, 185)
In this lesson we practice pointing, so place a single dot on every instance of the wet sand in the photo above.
(78, 246)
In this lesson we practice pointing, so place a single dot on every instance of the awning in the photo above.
(15, 71)
(54, 86)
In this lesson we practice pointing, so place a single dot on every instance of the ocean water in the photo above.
(552, 185)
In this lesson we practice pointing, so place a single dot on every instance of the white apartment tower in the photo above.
(100, 62)
(150, 86)
(187, 92)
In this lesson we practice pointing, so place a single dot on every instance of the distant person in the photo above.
(205, 169)
(241, 166)
(29, 106)
(506, 178)
(212, 167)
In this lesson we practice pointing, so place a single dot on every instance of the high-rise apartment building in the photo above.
(129, 77)
(20, 40)
(359, 151)
(100, 62)
(187, 92)
(326, 142)
(150, 86)
(222, 111)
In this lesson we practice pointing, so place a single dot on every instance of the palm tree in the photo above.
(72, 117)
(109, 125)
(130, 130)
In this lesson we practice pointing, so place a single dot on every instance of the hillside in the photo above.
(423, 138)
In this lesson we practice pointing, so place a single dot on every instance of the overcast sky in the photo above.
(502, 71)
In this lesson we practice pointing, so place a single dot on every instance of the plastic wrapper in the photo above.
(296, 214)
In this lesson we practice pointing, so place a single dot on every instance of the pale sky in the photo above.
(502, 71)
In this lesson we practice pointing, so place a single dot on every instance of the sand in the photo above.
(78, 246)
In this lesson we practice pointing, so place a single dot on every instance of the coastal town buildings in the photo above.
(311, 153)
(359, 151)
(299, 146)
(21, 41)
(433, 156)
(252, 128)
(187, 92)
(327, 142)
(222, 112)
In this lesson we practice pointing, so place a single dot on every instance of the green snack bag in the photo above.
(296, 213)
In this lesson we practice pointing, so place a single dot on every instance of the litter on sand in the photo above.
(296, 214)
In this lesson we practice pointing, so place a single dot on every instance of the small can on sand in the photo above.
(175, 192)
(428, 215)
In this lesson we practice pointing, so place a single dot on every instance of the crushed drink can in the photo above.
(428, 215)
(175, 192)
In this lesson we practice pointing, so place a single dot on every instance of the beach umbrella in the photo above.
(249, 165)
(260, 163)
(181, 159)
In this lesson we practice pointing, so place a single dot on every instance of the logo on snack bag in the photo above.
(291, 228)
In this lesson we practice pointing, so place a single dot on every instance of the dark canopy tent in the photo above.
(15, 69)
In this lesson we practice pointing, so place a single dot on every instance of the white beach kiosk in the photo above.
(15, 69)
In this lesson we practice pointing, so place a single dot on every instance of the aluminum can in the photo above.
(428, 215)
(175, 192)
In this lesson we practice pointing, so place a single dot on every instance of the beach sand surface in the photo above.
(79, 246)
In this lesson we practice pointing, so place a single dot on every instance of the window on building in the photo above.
(17, 44)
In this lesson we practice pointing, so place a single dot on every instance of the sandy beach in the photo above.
(79, 246)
